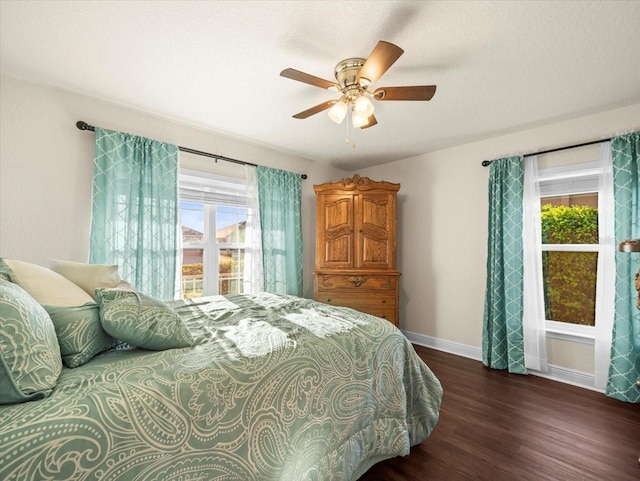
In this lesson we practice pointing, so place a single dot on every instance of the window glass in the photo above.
(230, 224)
(570, 238)
(231, 269)
(570, 219)
(192, 273)
(570, 286)
(192, 220)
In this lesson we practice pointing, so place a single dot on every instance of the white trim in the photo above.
(571, 247)
(555, 373)
(571, 331)
(567, 336)
(445, 346)
(569, 376)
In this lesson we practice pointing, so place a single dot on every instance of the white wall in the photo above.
(46, 169)
(442, 224)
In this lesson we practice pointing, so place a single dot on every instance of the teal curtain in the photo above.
(502, 338)
(135, 210)
(624, 368)
(279, 195)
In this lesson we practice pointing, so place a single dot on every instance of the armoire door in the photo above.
(375, 228)
(335, 220)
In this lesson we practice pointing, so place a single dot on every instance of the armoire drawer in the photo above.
(355, 300)
(362, 282)
(379, 305)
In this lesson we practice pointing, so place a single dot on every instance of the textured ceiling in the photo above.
(499, 66)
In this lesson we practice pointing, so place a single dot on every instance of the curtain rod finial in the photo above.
(486, 163)
(82, 125)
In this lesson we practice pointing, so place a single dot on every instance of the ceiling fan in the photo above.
(354, 77)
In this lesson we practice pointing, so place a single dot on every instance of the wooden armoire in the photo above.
(356, 246)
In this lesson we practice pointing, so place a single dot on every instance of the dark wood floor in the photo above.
(497, 426)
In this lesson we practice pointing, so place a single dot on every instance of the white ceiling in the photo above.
(500, 66)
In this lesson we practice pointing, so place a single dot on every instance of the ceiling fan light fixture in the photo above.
(359, 119)
(338, 112)
(363, 106)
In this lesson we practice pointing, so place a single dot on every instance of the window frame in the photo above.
(567, 330)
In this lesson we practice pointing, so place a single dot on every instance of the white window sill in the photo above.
(581, 334)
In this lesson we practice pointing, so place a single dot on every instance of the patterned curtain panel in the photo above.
(135, 210)
(502, 341)
(280, 196)
(625, 344)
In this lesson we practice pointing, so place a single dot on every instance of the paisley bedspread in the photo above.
(278, 388)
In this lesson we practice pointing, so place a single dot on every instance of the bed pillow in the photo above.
(79, 332)
(88, 276)
(29, 353)
(44, 285)
(73, 312)
(141, 321)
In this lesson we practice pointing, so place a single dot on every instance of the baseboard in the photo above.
(446, 346)
(569, 376)
(556, 373)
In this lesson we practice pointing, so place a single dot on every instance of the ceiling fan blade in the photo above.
(294, 74)
(371, 121)
(314, 110)
(382, 57)
(415, 92)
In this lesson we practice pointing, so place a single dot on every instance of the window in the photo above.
(213, 217)
(572, 295)
(571, 243)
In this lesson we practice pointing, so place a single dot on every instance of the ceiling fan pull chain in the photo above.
(353, 131)
(346, 140)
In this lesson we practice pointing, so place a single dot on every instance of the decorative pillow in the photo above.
(88, 276)
(74, 313)
(79, 332)
(141, 321)
(44, 285)
(29, 352)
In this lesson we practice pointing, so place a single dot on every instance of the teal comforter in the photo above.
(278, 388)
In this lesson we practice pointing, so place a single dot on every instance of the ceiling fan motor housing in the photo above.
(346, 73)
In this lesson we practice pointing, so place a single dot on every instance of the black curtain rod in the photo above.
(486, 163)
(85, 126)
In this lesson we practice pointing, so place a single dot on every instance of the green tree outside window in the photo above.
(570, 277)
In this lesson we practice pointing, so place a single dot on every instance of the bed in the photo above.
(276, 387)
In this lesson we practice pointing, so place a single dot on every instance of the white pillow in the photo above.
(46, 286)
(88, 276)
